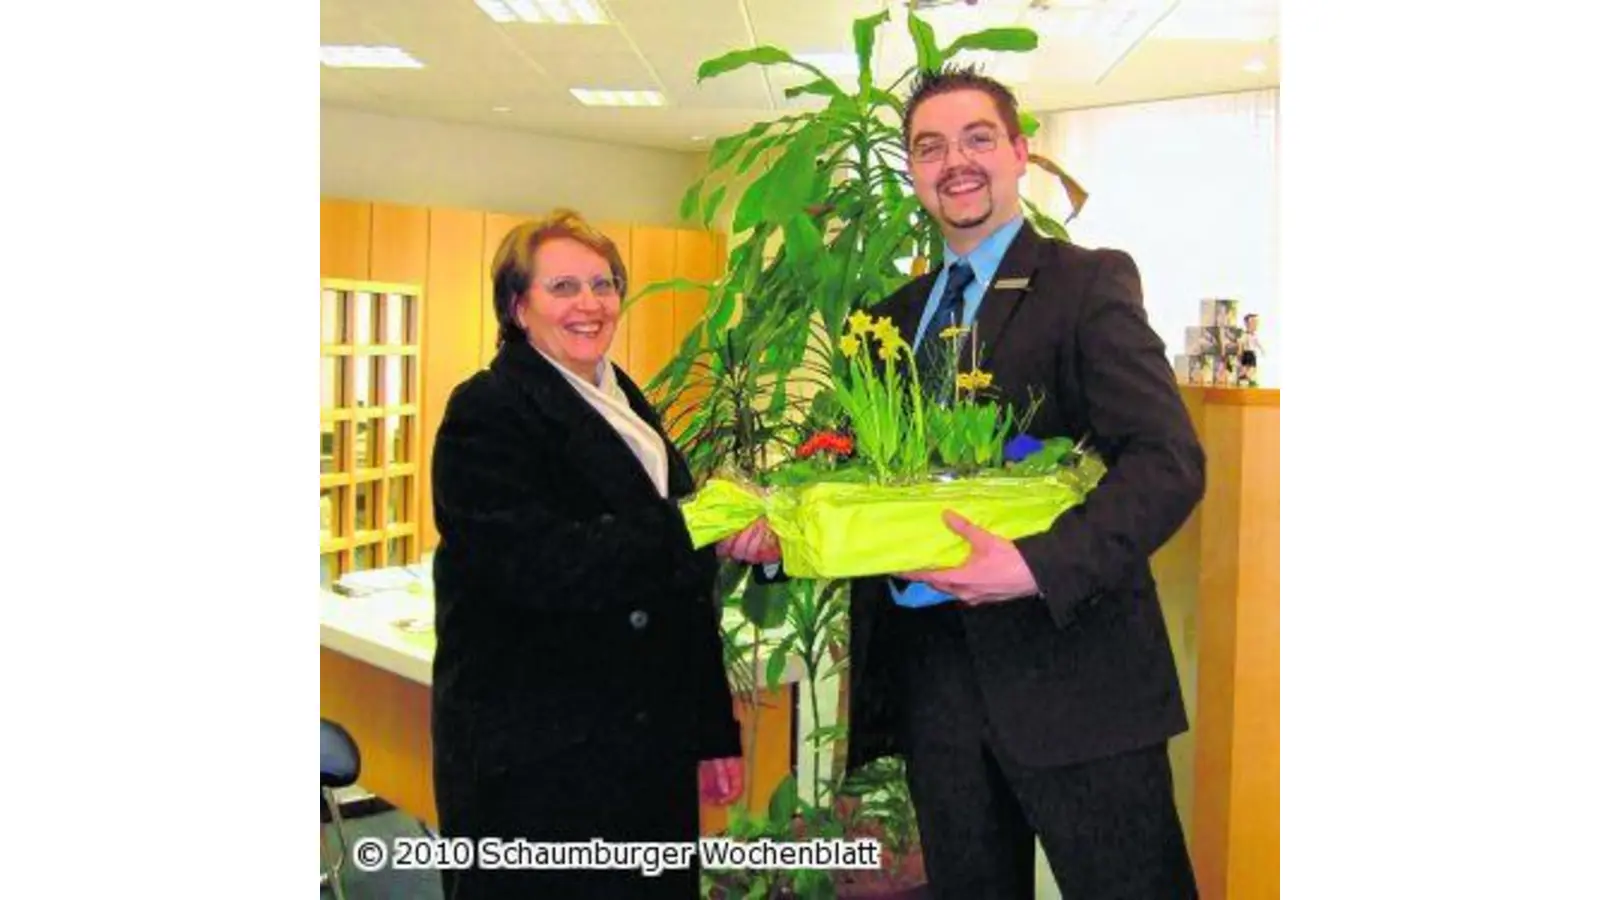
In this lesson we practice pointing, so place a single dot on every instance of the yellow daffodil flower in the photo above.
(974, 381)
(849, 344)
(953, 332)
(860, 322)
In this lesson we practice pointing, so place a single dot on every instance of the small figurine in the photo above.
(1250, 352)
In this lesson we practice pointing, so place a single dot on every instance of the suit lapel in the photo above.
(591, 444)
(1011, 285)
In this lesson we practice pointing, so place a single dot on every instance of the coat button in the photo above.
(638, 619)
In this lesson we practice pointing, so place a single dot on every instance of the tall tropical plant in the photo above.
(822, 231)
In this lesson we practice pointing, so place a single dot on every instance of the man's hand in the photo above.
(721, 780)
(994, 572)
(756, 545)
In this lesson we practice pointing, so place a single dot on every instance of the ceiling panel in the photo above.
(676, 38)
(474, 65)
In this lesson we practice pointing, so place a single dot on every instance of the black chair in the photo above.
(341, 765)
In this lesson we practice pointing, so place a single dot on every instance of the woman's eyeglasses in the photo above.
(567, 287)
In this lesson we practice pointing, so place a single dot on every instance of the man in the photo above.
(1032, 690)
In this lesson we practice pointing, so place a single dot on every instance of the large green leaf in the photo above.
(1008, 40)
(866, 29)
(764, 55)
(1050, 227)
(793, 179)
(778, 662)
(724, 148)
(785, 801)
(756, 150)
(1075, 192)
(745, 143)
(691, 201)
(822, 87)
(891, 234)
(748, 213)
(671, 284)
(712, 203)
(803, 241)
(842, 109)
(720, 310)
(884, 98)
(893, 188)
(929, 59)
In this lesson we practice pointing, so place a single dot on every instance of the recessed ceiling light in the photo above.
(554, 12)
(501, 109)
(697, 137)
(359, 57)
(1255, 67)
(601, 97)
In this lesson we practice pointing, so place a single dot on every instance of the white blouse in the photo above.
(609, 400)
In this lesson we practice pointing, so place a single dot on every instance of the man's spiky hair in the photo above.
(961, 78)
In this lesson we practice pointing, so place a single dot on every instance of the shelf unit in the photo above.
(371, 424)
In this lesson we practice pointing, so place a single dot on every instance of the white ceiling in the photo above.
(472, 65)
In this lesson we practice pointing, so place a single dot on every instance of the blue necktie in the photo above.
(930, 354)
(933, 351)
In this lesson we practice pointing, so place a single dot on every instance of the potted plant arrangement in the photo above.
(869, 501)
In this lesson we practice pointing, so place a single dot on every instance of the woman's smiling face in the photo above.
(570, 310)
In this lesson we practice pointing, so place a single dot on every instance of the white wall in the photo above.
(425, 163)
(1189, 188)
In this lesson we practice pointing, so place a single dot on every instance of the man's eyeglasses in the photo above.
(567, 287)
(976, 143)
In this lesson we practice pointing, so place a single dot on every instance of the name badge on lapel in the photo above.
(1012, 284)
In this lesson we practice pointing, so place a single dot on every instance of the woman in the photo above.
(578, 687)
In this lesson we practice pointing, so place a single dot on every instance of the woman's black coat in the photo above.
(579, 676)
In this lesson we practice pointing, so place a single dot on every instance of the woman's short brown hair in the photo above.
(513, 262)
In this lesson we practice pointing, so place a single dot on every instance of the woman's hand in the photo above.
(721, 780)
(756, 545)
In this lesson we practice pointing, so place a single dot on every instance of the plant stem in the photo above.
(816, 723)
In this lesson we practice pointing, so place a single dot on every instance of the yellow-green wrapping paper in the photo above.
(842, 530)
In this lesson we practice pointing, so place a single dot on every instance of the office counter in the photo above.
(376, 681)
(1218, 580)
